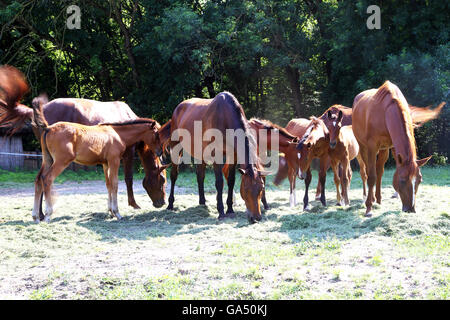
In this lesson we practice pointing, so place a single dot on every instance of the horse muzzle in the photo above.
(332, 144)
(252, 219)
(159, 203)
(409, 209)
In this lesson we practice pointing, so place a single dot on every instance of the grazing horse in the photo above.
(382, 119)
(87, 112)
(66, 142)
(221, 114)
(285, 139)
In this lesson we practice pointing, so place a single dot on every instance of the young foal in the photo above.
(339, 145)
(64, 142)
(343, 148)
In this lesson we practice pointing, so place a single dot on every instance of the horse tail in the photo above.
(282, 172)
(421, 115)
(38, 122)
(13, 86)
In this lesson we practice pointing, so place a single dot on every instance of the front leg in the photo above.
(200, 171)
(308, 178)
(231, 178)
(219, 188)
(322, 179)
(292, 176)
(127, 160)
(173, 179)
(263, 198)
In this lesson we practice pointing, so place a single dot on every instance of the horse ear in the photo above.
(340, 115)
(242, 171)
(152, 124)
(423, 161)
(263, 173)
(329, 114)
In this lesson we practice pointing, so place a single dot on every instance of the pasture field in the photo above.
(326, 253)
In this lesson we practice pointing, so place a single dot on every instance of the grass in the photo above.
(326, 253)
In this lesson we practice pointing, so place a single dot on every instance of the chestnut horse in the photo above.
(340, 147)
(66, 142)
(88, 112)
(285, 140)
(382, 119)
(220, 114)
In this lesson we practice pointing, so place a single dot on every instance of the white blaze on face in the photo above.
(413, 182)
(334, 123)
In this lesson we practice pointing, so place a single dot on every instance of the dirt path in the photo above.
(85, 187)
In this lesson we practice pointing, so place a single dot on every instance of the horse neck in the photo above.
(131, 133)
(401, 133)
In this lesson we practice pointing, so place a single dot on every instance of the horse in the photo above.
(87, 112)
(343, 147)
(66, 142)
(220, 114)
(285, 139)
(382, 119)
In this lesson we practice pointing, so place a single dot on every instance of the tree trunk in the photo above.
(293, 78)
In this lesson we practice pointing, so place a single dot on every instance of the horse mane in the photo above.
(13, 86)
(390, 90)
(164, 134)
(270, 126)
(249, 138)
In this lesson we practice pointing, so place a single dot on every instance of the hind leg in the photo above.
(48, 178)
(363, 173)
(37, 214)
(219, 188)
(173, 179)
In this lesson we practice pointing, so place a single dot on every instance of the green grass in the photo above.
(326, 253)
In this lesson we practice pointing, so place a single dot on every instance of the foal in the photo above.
(65, 142)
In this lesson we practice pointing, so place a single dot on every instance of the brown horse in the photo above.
(221, 114)
(83, 111)
(285, 140)
(382, 119)
(343, 147)
(66, 142)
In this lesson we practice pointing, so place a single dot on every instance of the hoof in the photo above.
(368, 214)
(170, 207)
(47, 219)
(266, 207)
(134, 205)
(307, 208)
(230, 215)
(222, 216)
(37, 221)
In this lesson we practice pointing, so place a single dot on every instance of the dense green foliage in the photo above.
(282, 59)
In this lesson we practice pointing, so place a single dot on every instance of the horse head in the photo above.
(334, 126)
(312, 145)
(406, 180)
(252, 186)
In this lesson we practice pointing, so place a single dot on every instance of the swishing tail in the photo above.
(39, 125)
(13, 86)
(421, 115)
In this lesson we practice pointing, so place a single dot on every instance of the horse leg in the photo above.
(292, 176)
(263, 198)
(230, 182)
(113, 171)
(337, 181)
(322, 179)
(219, 188)
(38, 194)
(345, 181)
(128, 172)
(370, 158)
(108, 187)
(363, 173)
(47, 181)
(200, 171)
(173, 179)
(308, 178)
(383, 155)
